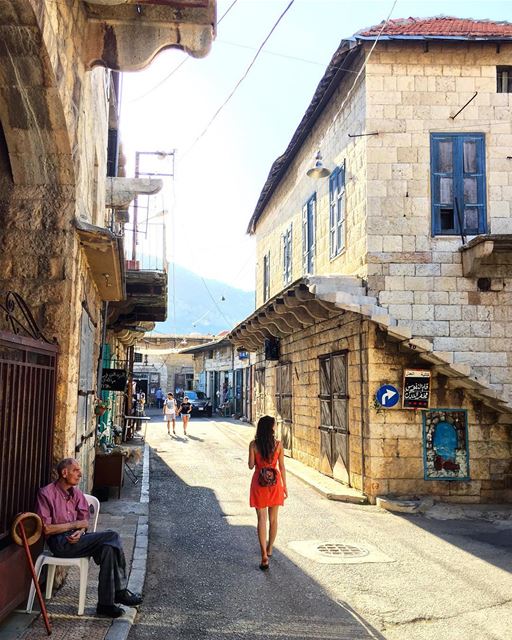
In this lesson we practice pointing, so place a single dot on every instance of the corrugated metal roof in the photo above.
(440, 26)
(437, 28)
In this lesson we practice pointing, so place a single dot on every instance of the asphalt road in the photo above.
(420, 579)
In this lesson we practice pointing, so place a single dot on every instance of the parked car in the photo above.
(201, 405)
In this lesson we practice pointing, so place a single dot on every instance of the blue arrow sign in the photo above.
(387, 395)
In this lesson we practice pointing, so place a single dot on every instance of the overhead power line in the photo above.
(244, 76)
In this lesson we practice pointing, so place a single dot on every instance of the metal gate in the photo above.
(284, 404)
(28, 364)
(334, 433)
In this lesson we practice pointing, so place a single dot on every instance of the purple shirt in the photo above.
(56, 506)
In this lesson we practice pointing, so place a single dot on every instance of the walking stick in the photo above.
(19, 535)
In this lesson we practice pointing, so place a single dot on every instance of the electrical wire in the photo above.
(359, 73)
(244, 76)
(215, 303)
(169, 75)
(284, 55)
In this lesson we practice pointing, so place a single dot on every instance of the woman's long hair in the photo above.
(265, 440)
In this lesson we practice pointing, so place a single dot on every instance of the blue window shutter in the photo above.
(452, 218)
(333, 183)
(305, 252)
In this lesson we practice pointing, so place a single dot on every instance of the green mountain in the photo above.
(200, 305)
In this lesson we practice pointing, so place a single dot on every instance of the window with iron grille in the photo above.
(266, 276)
(458, 183)
(137, 357)
(504, 79)
(337, 211)
(287, 255)
(308, 235)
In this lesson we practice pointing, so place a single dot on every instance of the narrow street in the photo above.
(422, 578)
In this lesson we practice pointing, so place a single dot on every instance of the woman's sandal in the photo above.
(264, 566)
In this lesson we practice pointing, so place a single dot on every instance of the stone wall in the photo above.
(285, 206)
(53, 163)
(412, 92)
(392, 443)
(394, 447)
(302, 349)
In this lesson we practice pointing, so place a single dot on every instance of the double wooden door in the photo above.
(334, 432)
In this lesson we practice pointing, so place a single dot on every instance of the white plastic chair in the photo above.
(52, 561)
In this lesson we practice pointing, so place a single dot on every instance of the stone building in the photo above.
(225, 374)
(66, 286)
(384, 291)
(161, 362)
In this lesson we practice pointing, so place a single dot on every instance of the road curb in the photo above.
(120, 628)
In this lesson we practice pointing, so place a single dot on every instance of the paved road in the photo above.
(428, 579)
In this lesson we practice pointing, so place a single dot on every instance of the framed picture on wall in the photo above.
(445, 444)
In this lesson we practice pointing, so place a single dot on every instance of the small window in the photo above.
(458, 183)
(337, 211)
(287, 255)
(266, 277)
(137, 357)
(504, 79)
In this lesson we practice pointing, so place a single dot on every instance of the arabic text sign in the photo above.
(113, 379)
(416, 390)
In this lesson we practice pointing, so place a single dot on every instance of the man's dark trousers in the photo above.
(106, 549)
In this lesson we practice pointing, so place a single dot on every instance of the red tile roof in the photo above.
(441, 26)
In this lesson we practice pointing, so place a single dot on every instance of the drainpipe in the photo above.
(363, 401)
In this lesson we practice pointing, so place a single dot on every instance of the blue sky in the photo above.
(219, 178)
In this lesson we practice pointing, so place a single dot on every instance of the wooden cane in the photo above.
(20, 530)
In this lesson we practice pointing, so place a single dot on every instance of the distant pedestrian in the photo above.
(268, 485)
(170, 413)
(159, 395)
(185, 411)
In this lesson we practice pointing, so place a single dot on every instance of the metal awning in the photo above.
(105, 255)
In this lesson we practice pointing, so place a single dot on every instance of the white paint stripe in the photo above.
(144, 490)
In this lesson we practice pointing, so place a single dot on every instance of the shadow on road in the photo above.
(203, 580)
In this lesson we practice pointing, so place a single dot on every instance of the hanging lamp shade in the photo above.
(318, 171)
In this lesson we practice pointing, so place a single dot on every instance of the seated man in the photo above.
(65, 515)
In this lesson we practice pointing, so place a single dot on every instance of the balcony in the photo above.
(146, 281)
(488, 256)
(126, 35)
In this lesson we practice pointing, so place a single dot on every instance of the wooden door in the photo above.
(334, 433)
(284, 404)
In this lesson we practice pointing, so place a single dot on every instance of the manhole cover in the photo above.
(345, 550)
(338, 552)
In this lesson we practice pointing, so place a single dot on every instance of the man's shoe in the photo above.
(109, 610)
(128, 598)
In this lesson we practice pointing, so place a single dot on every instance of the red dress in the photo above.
(273, 496)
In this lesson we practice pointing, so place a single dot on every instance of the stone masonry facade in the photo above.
(406, 92)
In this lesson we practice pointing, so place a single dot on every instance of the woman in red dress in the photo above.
(268, 486)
